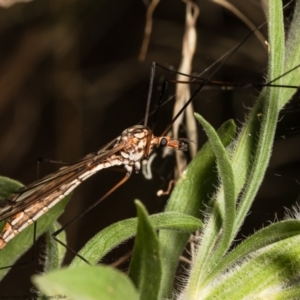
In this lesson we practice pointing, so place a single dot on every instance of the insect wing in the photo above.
(56, 184)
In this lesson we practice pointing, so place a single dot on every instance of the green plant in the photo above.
(265, 265)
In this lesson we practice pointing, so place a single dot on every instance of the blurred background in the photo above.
(71, 81)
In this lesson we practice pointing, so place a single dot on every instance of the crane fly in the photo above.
(29, 203)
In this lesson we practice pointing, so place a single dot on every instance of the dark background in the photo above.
(70, 81)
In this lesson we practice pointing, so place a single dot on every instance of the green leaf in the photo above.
(292, 292)
(217, 232)
(292, 55)
(16, 247)
(117, 233)
(190, 196)
(254, 145)
(267, 236)
(86, 282)
(145, 267)
(262, 275)
(8, 186)
(254, 274)
(55, 252)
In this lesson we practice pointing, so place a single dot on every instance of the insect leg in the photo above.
(125, 178)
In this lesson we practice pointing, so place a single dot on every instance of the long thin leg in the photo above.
(152, 74)
(83, 213)
(160, 101)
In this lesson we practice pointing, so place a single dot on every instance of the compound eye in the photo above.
(163, 142)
